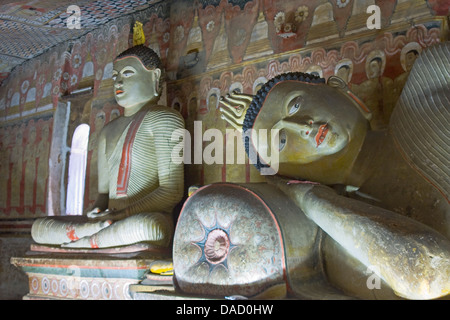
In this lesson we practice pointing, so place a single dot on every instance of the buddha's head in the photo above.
(138, 74)
(321, 126)
(374, 68)
(410, 58)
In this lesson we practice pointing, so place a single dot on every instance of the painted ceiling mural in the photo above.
(209, 47)
(28, 28)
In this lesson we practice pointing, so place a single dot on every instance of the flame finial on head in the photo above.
(138, 34)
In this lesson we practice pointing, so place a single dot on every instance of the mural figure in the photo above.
(4, 170)
(30, 167)
(381, 196)
(138, 184)
(408, 56)
(43, 152)
(344, 70)
(16, 170)
(376, 90)
(115, 113)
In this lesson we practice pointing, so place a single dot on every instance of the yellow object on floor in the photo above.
(163, 267)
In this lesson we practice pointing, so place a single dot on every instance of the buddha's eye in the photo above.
(294, 109)
(295, 106)
(127, 73)
(114, 76)
(282, 143)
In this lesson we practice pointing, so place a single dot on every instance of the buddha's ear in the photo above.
(157, 74)
(338, 83)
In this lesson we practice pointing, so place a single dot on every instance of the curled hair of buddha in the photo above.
(258, 100)
(148, 57)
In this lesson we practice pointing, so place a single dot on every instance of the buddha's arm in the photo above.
(412, 258)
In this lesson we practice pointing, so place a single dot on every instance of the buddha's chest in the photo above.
(124, 133)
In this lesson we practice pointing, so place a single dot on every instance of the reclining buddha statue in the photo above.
(380, 199)
(138, 184)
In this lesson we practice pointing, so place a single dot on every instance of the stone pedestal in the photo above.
(83, 275)
(13, 282)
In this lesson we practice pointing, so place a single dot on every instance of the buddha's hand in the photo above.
(108, 214)
(97, 213)
(235, 107)
(294, 189)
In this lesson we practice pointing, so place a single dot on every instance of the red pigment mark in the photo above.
(70, 232)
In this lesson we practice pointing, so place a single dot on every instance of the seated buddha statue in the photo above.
(381, 196)
(138, 184)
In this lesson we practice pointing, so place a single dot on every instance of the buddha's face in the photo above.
(410, 59)
(374, 69)
(317, 126)
(212, 102)
(32, 135)
(19, 137)
(133, 83)
(343, 73)
(45, 132)
(99, 121)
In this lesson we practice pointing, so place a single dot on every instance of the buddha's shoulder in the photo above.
(162, 112)
(162, 118)
(114, 125)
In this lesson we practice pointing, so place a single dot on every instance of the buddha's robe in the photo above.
(420, 122)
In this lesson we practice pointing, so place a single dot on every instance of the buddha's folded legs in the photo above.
(144, 227)
(54, 231)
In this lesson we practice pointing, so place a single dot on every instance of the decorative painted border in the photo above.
(68, 287)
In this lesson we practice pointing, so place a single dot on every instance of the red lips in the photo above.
(321, 134)
(119, 91)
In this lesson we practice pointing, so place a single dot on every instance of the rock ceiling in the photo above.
(29, 28)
